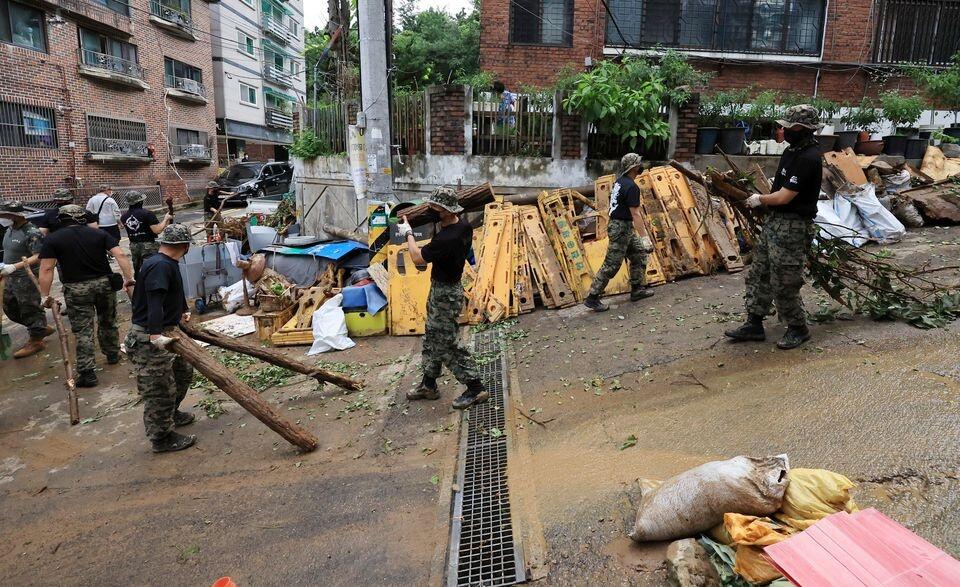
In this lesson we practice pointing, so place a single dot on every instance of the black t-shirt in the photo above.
(448, 251)
(158, 299)
(625, 195)
(51, 219)
(137, 222)
(80, 251)
(801, 170)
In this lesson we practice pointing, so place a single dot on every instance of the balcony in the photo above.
(274, 27)
(93, 16)
(176, 22)
(278, 75)
(112, 69)
(118, 150)
(194, 154)
(278, 119)
(185, 89)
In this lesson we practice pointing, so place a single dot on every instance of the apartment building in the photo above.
(105, 91)
(259, 76)
(843, 50)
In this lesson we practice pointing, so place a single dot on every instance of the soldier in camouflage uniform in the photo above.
(81, 254)
(780, 256)
(447, 251)
(21, 299)
(142, 228)
(627, 236)
(163, 377)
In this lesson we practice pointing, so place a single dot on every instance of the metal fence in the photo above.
(116, 136)
(601, 145)
(522, 126)
(26, 125)
(917, 31)
(330, 125)
(172, 14)
(111, 63)
(185, 84)
(153, 192)
(409, 123)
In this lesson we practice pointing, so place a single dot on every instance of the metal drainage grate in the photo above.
(483, 551)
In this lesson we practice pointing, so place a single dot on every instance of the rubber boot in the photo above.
(33, 346)
(475, 394)
(173, 442)
(87, 379)
(639, 292)
(752, 329)
(794, 337)
(183, 418)
(426, 390)
(113, 359)
(594, 303)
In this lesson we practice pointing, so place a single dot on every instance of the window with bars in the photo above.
(925, 32)
(116, 136)
(22, 125)
(541, 22)
(22, 26)
(786, 27)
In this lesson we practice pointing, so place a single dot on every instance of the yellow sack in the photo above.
(750, 534)
(813, 494)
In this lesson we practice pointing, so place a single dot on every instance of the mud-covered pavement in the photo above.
(90, 504)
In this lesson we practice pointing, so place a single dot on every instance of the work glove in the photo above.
(753, 201)
(8, 268)
(185, 317)
(160, 341)
(646, 244)
(168, 218)
(404, 228)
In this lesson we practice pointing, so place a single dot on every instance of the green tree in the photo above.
(433, 47)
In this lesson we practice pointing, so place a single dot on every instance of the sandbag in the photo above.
(814, 494)
(882, 226)
(696, 500)
(330, 327)
(749, 534)
(906, 212)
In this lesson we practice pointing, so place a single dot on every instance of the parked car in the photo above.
(254, 179)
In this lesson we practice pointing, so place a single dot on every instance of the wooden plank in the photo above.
(602, 188)
(847, 165)
(499, 301)
(486, 263)
(523, 283)
(546, 266)
(659, 226)
(407, 296)
(685, 254)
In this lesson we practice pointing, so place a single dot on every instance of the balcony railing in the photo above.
(278, 118)
(195, 152)
(108, 146)
(277, 75)
(174, 16)
(111, 64)
(94, 15)
(275, 27)
(186, 85)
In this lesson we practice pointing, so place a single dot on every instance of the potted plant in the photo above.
(902, 112)
(860, 122)
(730, 137)
(711, 113)
(759, 113)
(828, 109)
(942, 89)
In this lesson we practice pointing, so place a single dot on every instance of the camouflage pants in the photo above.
(440, 340)
(21, 303)
(163, 379)
(776, 273)
(138, 252)
(624, 244)
(85, 301)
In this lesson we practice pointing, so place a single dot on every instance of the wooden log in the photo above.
(69, 382)
(691, 175)
(344, 233)
(242, 393)
(472, 198)
(268, 355)
(722, 184)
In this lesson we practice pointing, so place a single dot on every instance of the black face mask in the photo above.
(795, 137)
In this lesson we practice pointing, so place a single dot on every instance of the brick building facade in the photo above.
(840, 50)
(106, 92)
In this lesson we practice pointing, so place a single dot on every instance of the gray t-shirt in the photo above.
(21, 242)
(109, 214)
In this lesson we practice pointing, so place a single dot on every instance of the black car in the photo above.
(254, 179)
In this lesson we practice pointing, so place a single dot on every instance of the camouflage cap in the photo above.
(73, 212)
(804, 115)
(628, 162)
(12, 207)
(445, 198)
(134, 197)
(175, 234)
(212, 184)
(63, 195)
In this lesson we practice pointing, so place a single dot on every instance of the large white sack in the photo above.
(880, 223)
(832, 226)
(694, 501)
(330, 327)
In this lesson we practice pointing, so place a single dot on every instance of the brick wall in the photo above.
(686, 139)
(447, 116)
(52, 80)
(571, 126)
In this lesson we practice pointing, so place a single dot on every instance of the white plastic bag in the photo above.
(880, 223)
(694, 501)
(330, 328)
(231, 296)
(831, 226)
(897, 182)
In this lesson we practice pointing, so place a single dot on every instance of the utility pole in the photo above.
(374, 115)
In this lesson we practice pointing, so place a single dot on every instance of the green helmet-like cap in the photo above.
(805, 115)
(175, 234)
(628, 162)
(12, 207)
(72, 212)
(134, 197)
(62, 195)
(445, 198)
